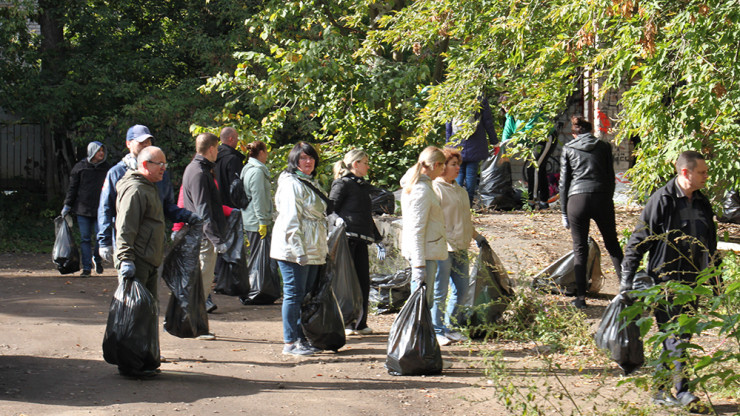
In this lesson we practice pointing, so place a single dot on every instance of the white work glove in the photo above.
(127, 269)
(381, 251)
(106, 253)
(66, 210)
(339, 221)
(174, 234)
(418, 274)
(302, 260)
(566, 223)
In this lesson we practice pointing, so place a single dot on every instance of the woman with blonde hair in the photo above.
(350, 193)
(423, 239)
(459, 231)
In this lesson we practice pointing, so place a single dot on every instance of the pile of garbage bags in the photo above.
(560, 276)
(389, 292)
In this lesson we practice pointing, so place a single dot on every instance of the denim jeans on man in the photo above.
(431, 272)
(454, 269)
(468, 178)
(297, 282)
(88, 231)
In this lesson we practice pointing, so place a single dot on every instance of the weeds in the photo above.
(26, 222)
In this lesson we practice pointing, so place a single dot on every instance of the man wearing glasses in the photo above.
(138, 138)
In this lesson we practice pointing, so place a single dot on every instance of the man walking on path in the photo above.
(677, 229)
(137, 139)
(201, 196)
(229, 163)
(83, 195)
(140, 229)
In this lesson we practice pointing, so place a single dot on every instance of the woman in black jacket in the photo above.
(351, 196)
(586, 192)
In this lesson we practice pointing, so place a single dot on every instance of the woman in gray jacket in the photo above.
(257, 217)
(298, 240)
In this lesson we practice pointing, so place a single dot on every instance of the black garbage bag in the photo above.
(340, 269)
(232, 274)
(131, 340)
(383, 201)
(622, 339)
(496, 187)
(264, 279)
(321, 318)
(389, 292)
(186, 315)
(412, 345)
(731, 207)
(489, 293)
(65, 254)
(560, 276)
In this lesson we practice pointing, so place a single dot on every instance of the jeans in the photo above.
(468, 178)
(454, 269)
(88, 232)
(297, 282)
(431, 269)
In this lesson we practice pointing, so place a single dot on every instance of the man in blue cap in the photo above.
(138, 137)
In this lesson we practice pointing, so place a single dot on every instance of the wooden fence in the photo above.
(21, 156)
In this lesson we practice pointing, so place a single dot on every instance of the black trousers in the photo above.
(358, 251)
(664, 315)
(582, 208)
(538, 186)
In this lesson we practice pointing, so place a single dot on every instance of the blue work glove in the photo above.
(480, 240)
(106, 253)
(566, 223)
(127, 269)
(381, 251)
(66, 210)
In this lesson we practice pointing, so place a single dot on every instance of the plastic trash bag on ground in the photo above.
(412, 345)
(489, 293)
(65, 254)
(560, 276)
(264, 278)
(621, 339)
(186, 315)
(232, 274)
(731, 207)
(131, 338)
(340, 269)
(389, 292)
(496, 187)
(383, 201)
(321, 318)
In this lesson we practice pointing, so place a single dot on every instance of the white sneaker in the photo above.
(456, 336)
(364, 331)
(206, 337)
(349, 331)
(443, 340)
(446, 364)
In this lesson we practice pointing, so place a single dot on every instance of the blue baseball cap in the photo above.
(139, 133)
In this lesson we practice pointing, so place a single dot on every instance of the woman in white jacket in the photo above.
(423, 240)
(459, 230)
(298, 240)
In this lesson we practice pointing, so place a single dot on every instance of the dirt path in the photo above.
(51, 356)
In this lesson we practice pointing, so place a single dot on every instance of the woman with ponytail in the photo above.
(423, 239)
(255, 176)
(350, 193)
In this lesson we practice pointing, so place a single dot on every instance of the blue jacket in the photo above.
(475, 147)
(107, 206)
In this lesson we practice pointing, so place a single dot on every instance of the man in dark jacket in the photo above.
(138, 137)
(474, 148)
(229, 163)
(140, 230)
(83, 194)
(677, 229)
(201, 196)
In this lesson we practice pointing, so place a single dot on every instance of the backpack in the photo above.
(237, 193)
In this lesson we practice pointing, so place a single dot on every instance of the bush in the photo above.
(26, 222)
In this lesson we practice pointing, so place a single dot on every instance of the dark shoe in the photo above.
(579, 303)
(138, 374)
(666, 399)
(245, 301)
(307, 346)
(543, 205)
(85, 273)
(692, 403)
(98, 266)
(210, 306)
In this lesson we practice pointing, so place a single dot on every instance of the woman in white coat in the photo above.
(423, 240)
(459, 231)
(298, 240)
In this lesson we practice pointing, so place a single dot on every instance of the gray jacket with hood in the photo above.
(586, 166)
(86, 181)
